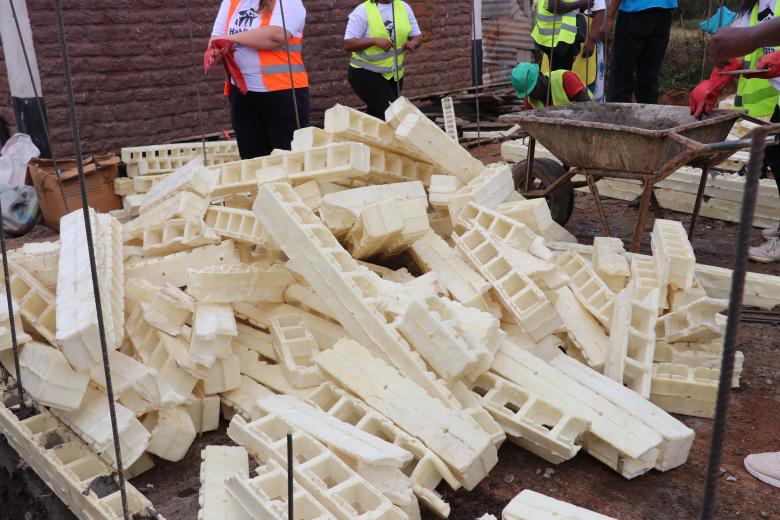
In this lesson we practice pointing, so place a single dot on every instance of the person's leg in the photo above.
(279, 121)
(244, 117)
(373, 89)
(770, 250)
(626, 47)
(659, 24)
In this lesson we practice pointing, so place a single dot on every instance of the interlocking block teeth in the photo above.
(610, 263)
(193, 177)
(332, 482)
(530, 505)
(645, 276)
(259, 315)
(452, 434)
(426, 470)
(77, 325)
(238, 224)
(172, 269)
(698, 355)
(36, 304)
(685, 390)
(295, 348)
(213, 330)
(239, 283)
(428, 141)
(488, 189)
(40, 259)
(146, 160)
(184, 205)
(531, 422)
(221, 464)
(6, 341)
(173, 236)
(520, 296)
(350, 289)
(586, 285)
(337, 162)
(673, 253)
(535, 214)
(49, 379)
(312, 137)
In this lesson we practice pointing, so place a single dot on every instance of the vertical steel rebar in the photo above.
(198, 83)
(290, 478)
(10, 304)
(289, 66)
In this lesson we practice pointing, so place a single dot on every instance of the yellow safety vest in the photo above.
(374, 58)
(756, 95)
(551, 29)
(557, 92)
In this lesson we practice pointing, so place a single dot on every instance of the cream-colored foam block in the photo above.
(49, 379)
(213, 329)
(535, 214)
(681, 297)
(238, 224)
(441, 190)
(427, 140)
(36, 304)
(698, 355)
(761, 290)
(586, 285)
(272, 377)
(144, 183)
(255, 340)
(139, 158)
(696, 322)
(164, 306)
(77, 325)
(378, 224)
(677, 438)
(520, 296)
(184, 205)
(530, 505)
(646, 279)
(311, 137)
(173, 236)
(243, 400)
(247, 283)
(130, 376)
(220, 465)
(204, 411)
(310, 192)
(241, 176)
(305, 298)
(259, 315)
(391, 167)
(295, 347)
(90, 423)
(609, 262)
(193, 177)
(172, 433)
(329, 163)
(173, 268)
(6, 339)
(488, 189)
(123, 186)
(510, 231)
(452, 434)
(673, 253)
(685, 390)
(350, 289)
(582, 329)
(223, 375)
(40, 259)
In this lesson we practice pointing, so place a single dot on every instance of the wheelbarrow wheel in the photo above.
(545, 172)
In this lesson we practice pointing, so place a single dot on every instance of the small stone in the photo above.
(150, 486)
(509, 479)
(549, 472)
(732, 478)
(722, 470)
(764, 514)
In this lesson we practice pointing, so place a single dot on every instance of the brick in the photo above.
(193, 177)
(589, 289)
(172, 433)
(184, 205)
(452, 434)
(582, 329)
(673, 253)
(176, 235)
(49, 379)
(226, 284)
(696, 322)
(535, 214)
(40, 259)
(238, 224)
(295, 347)
(77, 325)
(213, 330)
(530, 505)
(220, 464)
(488, 189)
(609, 262)
(173, 268)
(685, 390)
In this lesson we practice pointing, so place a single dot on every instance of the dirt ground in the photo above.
(754, 426)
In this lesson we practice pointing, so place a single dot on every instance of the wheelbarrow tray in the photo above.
(624, 137)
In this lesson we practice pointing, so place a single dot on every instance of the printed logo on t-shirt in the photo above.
(390, 28)
(245, 20)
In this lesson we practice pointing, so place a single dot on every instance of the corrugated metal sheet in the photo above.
(506, 37)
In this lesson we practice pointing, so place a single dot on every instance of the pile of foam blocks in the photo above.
(253, 290)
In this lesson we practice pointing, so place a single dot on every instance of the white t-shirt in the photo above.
(357, 26)
(744, 21)
(598, 5)
(246, 18)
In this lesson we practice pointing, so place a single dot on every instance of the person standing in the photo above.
(379, 32)
(639, 45)
(264, 118)
(756, 95)
(555, 30)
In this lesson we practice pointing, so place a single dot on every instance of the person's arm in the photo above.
(609, 21)
(563, 6)
(594, 35)
(268, 37)
(413, 43)
(361, 44)
(735, 42)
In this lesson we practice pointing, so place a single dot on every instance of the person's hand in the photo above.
(588, 48)
(606, 27)
(383, 44)
(704, 98)
(771, 62)
(215, 53)
(731, 42)
(409, 46)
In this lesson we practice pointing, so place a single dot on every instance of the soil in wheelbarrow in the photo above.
(646, 117)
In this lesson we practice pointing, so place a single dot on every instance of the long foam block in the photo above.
(220, 464)
(239, 283)
(192, 177)
(172, 269)
(530, 505)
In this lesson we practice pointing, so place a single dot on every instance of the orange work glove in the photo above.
(705, 96)
(771, 62)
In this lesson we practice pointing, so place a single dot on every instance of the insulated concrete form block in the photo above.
(77, 324)
(531, 422)
(272, 377)
(131, 376)
(166, 307)
(696, 322)
(646, 278)
(349, 288)
(144, 183)
(36, 304)
(224, 375)
(213, 329)
(305, 298)
(310, 192)
(6, 341)
(335, 162)
(172, 433)
(240, 176)
(526, 303)
(173, 268)
(220, 464)
(134, 157)
(616, 438)
(255, 340)
(49, 379)
(90, 422)
(238, 224)
(450, 120)
(582, 329)
(378, 224)
(184, 205)
(685, 390)
(761, 290)
(312, 137)
(441, 190)
(239, 283)
(452, 434)
(426, 470)
(337, 487)
(265, 497)
(193, 177)
(390, 167)
(677, 438)
(609, 262)
(295, 348)
(673, 253)
(535, 214)
(589, 289)
(428, 140)
(698, 355)
(173, 236)
(259, 315)
(123, 186)
(488, 189)
(204, 410)
(510, 231)
(243, 399)
(40, 259)
(530, 505)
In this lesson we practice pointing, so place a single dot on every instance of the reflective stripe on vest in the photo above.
(558, 94)
(550, 28)
(756, 95)
(375, 59)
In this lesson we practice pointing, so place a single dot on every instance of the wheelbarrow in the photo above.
(620, 140)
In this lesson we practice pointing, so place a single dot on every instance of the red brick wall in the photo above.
(135, 76)
(6, 110)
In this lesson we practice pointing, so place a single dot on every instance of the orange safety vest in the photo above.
(273, 62)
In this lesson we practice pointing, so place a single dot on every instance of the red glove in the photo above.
(225, 49)
(706, 95)
(769, 61)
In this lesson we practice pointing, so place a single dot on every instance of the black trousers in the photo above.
(563, 55)
(266, 120)
(772, 154)
(638, 51)
(374, 90)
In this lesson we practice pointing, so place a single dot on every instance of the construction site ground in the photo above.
(753, 427)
